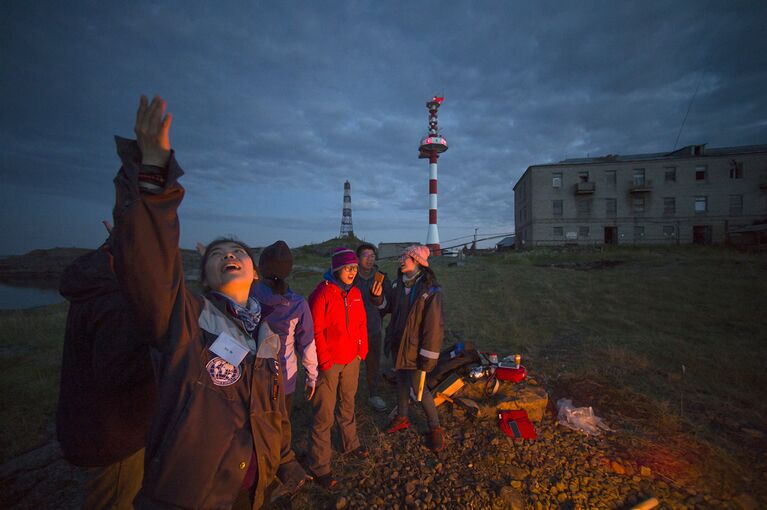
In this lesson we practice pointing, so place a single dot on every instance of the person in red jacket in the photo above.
(341, 338)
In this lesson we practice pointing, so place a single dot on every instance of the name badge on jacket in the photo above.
(229, 348)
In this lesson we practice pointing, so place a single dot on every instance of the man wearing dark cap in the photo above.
(374, 295)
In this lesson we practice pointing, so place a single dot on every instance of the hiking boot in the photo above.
(377, 403)
(435, 439)
(397, 424)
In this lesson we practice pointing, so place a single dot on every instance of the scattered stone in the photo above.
(746, 502)
(510, 498)
(517, 473)
(565, 471)
(756, 434)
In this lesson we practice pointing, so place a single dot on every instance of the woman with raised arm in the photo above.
(220, 427)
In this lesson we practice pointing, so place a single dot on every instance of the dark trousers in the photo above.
(373, 363)
(338, 384)
(289, 403)
(404, 383)
(113, 487)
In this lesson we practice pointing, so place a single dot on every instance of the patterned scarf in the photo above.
(250, 316)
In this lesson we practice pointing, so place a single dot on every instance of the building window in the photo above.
(700, 172)
(583, 207)
(736, 169)
(638, 205)
(669, 231)
(611, 207)
(670, 173)
(701, 205)
(736, 205)
(669, 206)
(583, 232)
(610, 177)
(583, 176)
(556, 180)
(557, 208)
(639, 177)
(558, 231)
(638, 232)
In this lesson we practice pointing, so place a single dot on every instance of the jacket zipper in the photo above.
(346, 312)
(346, 316)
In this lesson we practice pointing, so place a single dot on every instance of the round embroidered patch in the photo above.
(222, 373)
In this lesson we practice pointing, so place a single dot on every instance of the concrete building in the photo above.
(691, 195)
(392, 250)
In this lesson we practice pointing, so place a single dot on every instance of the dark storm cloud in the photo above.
(276, 105)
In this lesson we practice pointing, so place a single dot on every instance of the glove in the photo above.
(426, 364)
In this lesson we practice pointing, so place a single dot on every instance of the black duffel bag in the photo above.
(458, 358)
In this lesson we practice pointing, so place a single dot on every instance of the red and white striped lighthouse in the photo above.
(430, 149)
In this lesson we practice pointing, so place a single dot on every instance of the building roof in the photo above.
(684, 152)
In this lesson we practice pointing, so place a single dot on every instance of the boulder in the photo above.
(532, 399)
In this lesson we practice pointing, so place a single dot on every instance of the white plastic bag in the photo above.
(582, 419)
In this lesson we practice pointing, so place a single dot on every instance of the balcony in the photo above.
(584, 188)
(643, 186)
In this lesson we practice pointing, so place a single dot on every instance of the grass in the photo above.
(30, 359)
(610, 328)
(617, 338)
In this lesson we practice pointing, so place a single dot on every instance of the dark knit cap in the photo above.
(275, 262)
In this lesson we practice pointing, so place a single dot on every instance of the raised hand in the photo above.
(152, 128)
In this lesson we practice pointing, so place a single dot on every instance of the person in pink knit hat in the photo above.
(414, 336)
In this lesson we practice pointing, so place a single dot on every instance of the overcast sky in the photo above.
(275, 104)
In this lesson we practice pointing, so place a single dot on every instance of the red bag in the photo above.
(515, 424)
(512, 374)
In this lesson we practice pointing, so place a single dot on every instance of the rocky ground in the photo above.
(479, 469)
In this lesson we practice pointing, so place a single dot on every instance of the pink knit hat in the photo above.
(418, 253)
(342, 257)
